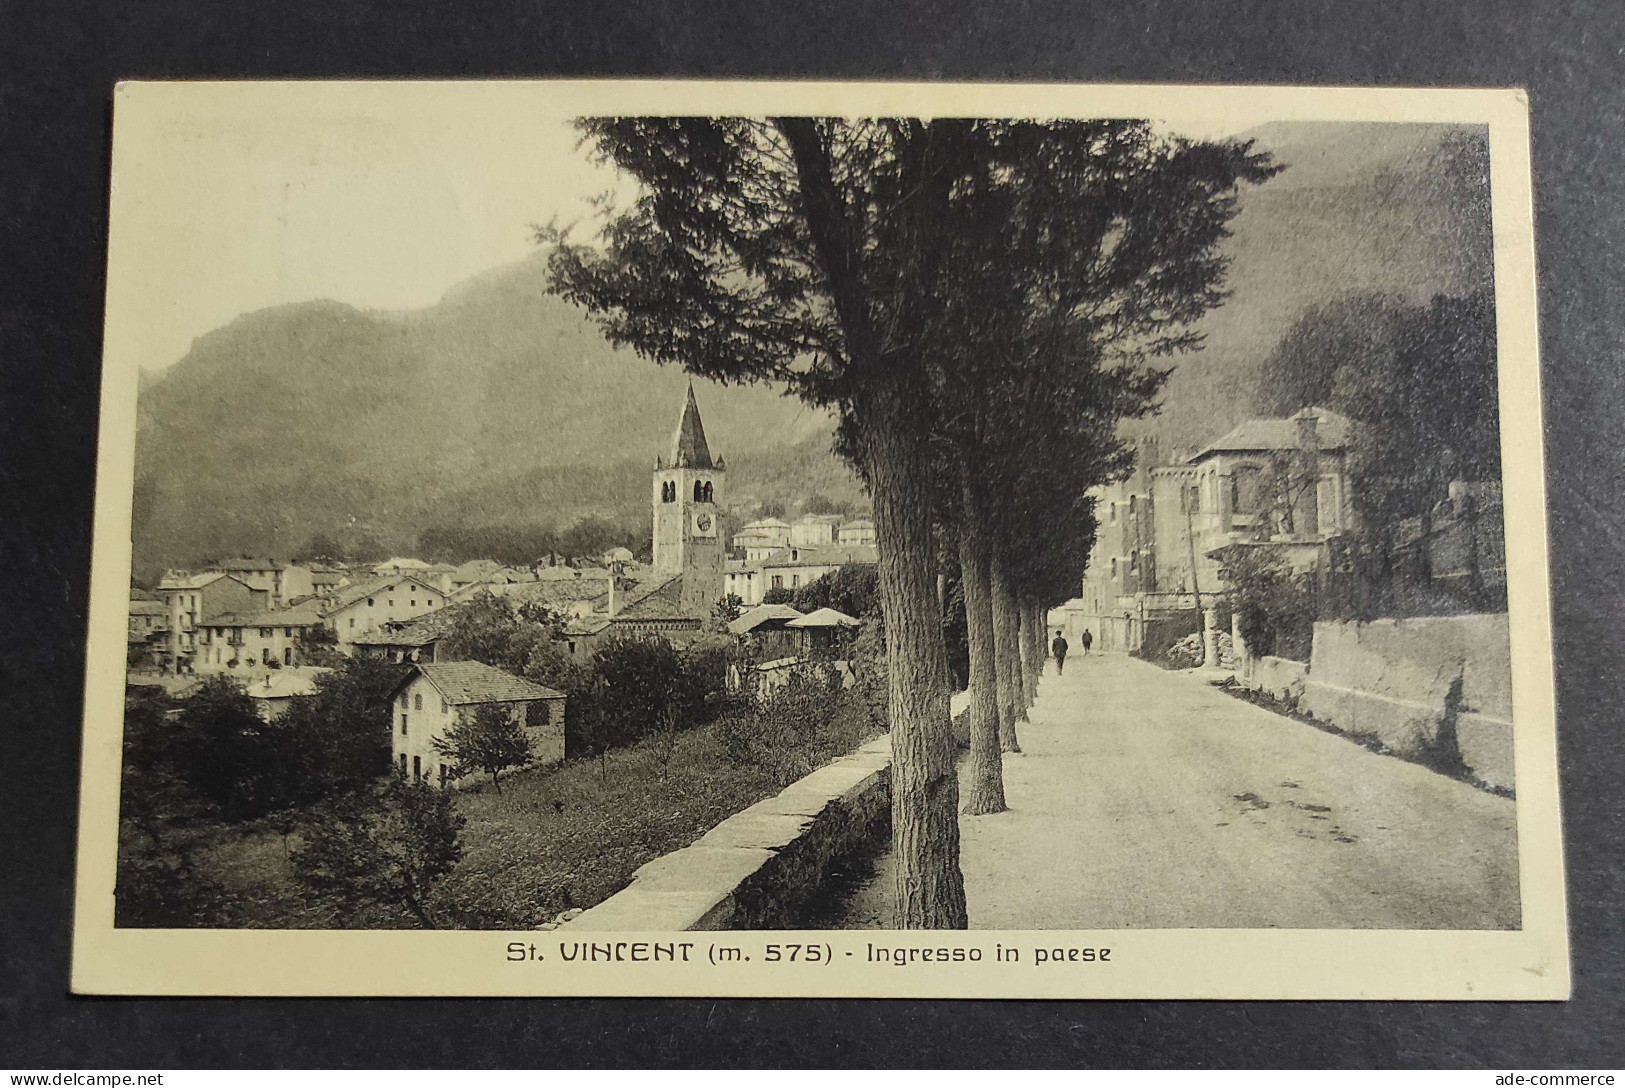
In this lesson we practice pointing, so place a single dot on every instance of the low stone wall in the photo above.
(1437, 685)
(755, 868)
(1279, 677)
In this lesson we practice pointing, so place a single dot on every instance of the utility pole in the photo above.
(1190, 535)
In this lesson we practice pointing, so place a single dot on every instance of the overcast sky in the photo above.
(385, 196)
(240, 212)
(380, 215)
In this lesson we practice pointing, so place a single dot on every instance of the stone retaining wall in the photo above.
(754, 869)
(1436, 685)
(1279, 677)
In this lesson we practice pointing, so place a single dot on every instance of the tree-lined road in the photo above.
(1147, 799)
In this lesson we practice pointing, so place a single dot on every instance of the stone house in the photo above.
(813, 530)
(189, 597)
(247, 640)
(406, 641)
(282, 581)
(431, 698)
(764, 535)
(275, 692)
(147, 618)
(365, 606)
(655, 609)
(857, 531)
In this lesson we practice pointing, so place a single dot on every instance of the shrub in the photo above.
(1271, 604)
(640, 686)
(787, 720)
(387, 846)
(166, 891)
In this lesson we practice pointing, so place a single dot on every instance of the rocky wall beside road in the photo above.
(1430, 687)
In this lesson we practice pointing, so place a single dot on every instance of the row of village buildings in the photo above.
(247, 612)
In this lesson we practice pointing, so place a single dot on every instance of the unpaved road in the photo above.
(1146, 799)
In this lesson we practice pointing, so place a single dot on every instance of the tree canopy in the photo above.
(902, 272)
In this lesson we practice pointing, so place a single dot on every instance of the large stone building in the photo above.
(248, 640)
(1163, 529)
(284, 582)
(191, 597)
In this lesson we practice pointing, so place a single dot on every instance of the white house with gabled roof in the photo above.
(430, 699)
(365, 606)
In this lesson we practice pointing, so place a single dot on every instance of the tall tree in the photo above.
(986, 793)
(820, 253)
(801, 250)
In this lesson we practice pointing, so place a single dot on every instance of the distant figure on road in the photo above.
(1088, 640)
(1059, 648)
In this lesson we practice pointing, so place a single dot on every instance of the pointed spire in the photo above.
(688, 448)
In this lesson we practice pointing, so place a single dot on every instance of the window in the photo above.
(572, 646)
(417, 768)
(265, 632)
(1114, 566)
(265, 655)
(1113, 513)
(392, 602)
(403, 700)
(1245, 490)
(417, 702)
(413, 602)
(795, 581)
(403, 725)
(287, 655)
(369, 602)
(287, 632)
(699, 491)
(442, 774)
(445, 707)
(403, 762)
(352, 621)
(778, 581)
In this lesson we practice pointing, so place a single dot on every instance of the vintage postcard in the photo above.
(816, 539)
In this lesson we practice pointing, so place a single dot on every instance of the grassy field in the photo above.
(554, 838)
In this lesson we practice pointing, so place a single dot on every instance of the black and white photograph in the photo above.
(1100, 528)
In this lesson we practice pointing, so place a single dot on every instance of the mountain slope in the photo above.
(500, 404)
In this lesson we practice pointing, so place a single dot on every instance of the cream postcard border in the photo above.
(1531, 963)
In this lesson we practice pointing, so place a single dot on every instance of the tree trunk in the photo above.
(1032, 658)
(986, 794)
(416, 908)
(929, 888)
(1006, 630)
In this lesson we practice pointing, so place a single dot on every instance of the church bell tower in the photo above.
(688, 536)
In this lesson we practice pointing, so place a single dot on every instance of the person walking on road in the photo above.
(1088, 640)
(1059, 648)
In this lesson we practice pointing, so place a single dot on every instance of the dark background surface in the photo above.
(58, 63)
